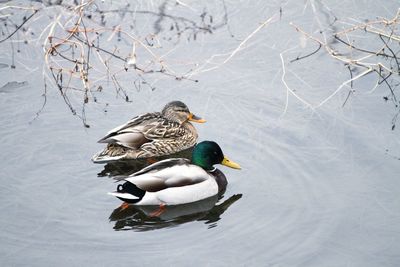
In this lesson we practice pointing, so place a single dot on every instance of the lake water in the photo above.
(319, 185)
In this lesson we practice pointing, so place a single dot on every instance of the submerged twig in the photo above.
(76, 41)
(19, 26)
(383, 61)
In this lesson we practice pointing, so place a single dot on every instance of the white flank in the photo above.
(123, 195)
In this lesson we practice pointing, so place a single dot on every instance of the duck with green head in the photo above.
(177, 180)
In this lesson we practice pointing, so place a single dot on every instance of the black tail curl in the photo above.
(132, 189)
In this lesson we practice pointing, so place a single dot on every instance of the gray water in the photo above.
(319, 186)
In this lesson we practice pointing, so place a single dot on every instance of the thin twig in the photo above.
(232, 53)
(344, 84)
(308, 55)
(288, 89)
(20, 26)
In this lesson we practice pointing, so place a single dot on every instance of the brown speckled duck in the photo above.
(151, 135)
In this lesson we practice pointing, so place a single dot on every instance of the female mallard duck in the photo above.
(151, 135)
(177, 181)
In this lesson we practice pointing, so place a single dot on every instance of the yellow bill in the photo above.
(229, 163)
(194, 118)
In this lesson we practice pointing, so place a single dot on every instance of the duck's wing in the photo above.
(167, 173)
(164, 129)
(132, 134)
(144, 129)
(162, 164)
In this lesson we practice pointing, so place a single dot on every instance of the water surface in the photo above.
(318, 187)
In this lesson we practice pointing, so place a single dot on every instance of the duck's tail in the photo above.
(102, 157)
(113, 152)
(128, 192)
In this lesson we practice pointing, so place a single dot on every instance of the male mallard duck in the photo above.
(151, 135)
(178, 181)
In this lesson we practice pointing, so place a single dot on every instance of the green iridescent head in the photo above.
(207, 153)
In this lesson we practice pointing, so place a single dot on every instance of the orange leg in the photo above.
(123, 206)
(159, 211)
(151, 160)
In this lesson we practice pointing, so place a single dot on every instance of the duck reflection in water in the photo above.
(141, 218)
(123, 168)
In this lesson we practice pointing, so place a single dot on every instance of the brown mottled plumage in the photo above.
(151, 135)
